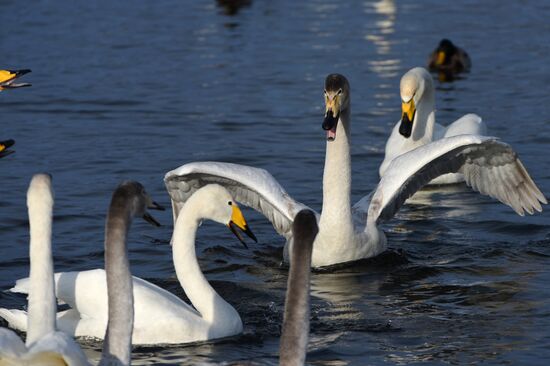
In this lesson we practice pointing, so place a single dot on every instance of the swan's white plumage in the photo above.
(252, 187)
(45, 345)
(159, 316)
(54, 349)
(489, 166)
(345, 233)
(417, 84)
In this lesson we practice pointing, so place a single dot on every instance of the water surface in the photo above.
(132, 91)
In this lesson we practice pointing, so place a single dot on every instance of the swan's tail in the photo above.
(17, 319)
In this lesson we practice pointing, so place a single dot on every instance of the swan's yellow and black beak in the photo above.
(7, 78)
(147, 216)
(238, 221)
(4, 146)
(332, 113)
(409, 110)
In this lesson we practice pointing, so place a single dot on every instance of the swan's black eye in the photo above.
(339, 91)
(229, 203)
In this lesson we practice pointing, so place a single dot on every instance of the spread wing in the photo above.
(252, 187)
(490, 167)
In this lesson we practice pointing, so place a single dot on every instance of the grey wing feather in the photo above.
(490, 167)
(250, 186)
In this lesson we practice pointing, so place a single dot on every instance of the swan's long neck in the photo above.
(42, 304)
(212, 307)
(337, 179)
(423, 127)
(118, 339)
(293, 345)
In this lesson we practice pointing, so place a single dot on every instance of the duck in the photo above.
(448, 60)
(294, 336)
(351, 232)
(160, 316)
(417, 125)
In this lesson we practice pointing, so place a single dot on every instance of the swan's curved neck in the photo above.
(423, 127)
(337, 177)
(212, 307)
(42, 304)
(118, 339)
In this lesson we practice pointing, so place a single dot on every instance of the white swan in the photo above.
(160, 316)
(294, 337)
(417, 126)
(349, 233)
(46, 345)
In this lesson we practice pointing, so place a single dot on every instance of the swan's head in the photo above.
(217, 204)
(444, 52)
(133, 195)
(336, 102)
(7, 78)
(414, 85)
(4, 147)
(304, 231)
(40, 191)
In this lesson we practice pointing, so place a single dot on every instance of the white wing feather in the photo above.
(490, 167)
(252, 187)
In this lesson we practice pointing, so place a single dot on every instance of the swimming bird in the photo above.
(4, 146)
(417, 126)
(128, 201)
(160, 316)
(44, 345)
(448, 60)
(349, 233)
(7, 78)
(292, 349)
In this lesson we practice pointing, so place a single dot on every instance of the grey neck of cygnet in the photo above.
(118, 338)
(423, 127)
(294, 338)
(337, 175)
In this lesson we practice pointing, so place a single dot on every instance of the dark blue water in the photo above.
(126, 90)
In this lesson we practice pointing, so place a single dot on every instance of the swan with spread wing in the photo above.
(418, 127)
(346, 232)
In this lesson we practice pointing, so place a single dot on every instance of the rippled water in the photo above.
(132, 91)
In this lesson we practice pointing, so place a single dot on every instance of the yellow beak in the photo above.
(7, 78)
(237, 220)
(408, 109)
(440, 58)
(332, 105)
(6, 75)
(237, 217)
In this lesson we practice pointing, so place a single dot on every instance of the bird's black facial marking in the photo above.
(405, 128)
(330, 121)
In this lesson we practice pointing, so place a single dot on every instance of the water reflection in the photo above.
(385, 25)
(449, 201)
